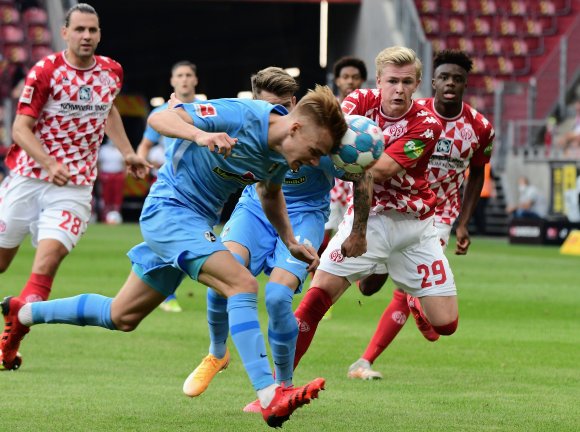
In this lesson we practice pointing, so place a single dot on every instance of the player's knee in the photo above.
(372, 284)
(447, 329)
(126, 323)
(278, 301)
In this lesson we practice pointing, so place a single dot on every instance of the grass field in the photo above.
(513, 365)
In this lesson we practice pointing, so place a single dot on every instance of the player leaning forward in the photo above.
(256, 142)
(64, 111)
(401, 237)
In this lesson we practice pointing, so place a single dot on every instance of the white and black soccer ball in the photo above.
(362, 144)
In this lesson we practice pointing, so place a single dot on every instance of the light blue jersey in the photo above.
(193, 184)
(203, 180)
(154, 136)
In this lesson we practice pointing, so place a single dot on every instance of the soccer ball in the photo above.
(114, 218)
(362, 144)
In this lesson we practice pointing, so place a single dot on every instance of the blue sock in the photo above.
(82, 310)
(282, 330)
(170, 297)
(248, 338)
(217, 318)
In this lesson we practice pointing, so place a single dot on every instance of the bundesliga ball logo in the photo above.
(362, 144)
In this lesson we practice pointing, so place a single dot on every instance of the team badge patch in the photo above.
(336, 256)
(414, 148)
(26, 96)
(348, 107)
(85, 93)
(209, 236)
(205, 110)
(444, 146)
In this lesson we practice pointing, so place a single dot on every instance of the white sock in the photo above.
(267, 394)
(25, 315)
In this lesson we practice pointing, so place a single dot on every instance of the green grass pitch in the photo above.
(513, 365)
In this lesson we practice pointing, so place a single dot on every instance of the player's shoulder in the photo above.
(108, 63)
(47, 65)
(160, 108)
(361, 100)
(420, 115)
(477, 119)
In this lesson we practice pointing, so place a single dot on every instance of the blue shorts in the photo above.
(249, 226)
(178, 241)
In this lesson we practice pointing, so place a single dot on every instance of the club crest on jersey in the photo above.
(466, 134)
(396, 130)
(414, 148)
(209, 236)
(26, 96)
(443, 146)
(85, 93)
(205, 110)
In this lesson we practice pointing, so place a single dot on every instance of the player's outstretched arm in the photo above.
(356, 243)
(274, 206)
(23, 135)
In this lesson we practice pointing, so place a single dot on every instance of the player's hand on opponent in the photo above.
(463, 240)
(137, 166)
(57, 173)
(305, 253)
(354, 245)
(219, 142)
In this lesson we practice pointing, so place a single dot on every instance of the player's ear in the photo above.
(295, 127)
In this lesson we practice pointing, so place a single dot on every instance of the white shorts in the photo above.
(444, 232)
(336, 216)
(399, 244)
(44, 210)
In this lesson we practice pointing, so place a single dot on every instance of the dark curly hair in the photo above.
(456, 57)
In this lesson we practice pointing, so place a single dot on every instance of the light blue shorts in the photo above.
(249, 226)
(178, 241)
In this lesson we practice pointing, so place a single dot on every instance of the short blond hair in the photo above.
(323, 108)
(398, 56)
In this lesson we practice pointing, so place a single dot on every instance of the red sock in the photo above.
(391, 323)
(37, 288)
(310, 311)
(324, 243)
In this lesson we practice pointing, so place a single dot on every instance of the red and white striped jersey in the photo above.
(466, 139)
(409, 140)
(71, 106)
(341, 192)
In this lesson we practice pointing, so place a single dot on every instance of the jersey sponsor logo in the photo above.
(336, 256)
(445, 162)
(414, 148)
(487, 151)
(85, 93)
(295, 181)
(26, 96)
(247, 178)
(209, 236)
(443, 146)
(205, 110)
(348, 107)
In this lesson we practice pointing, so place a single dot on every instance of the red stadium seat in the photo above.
(517, 8)
(482, 7)
(11, 34)
(35, 15)
(427, 6)
(39, 35)
(15, 53)
(454, 7)
(430, 25)
(439, 44)
(8, 15)
(37, 52)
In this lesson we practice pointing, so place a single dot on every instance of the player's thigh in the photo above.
(309, 230)
(422, 269)
(250, 229)
(65, 215)
(440, 310)
(19, 208)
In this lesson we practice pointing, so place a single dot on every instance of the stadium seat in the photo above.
(35, 15)
(427, 6)
(482, 7)
(11, 34)
(9, 15)
(15, 53)
(39, 35)
(430, 25)
(37, 52)
(439, 44)
(454, 6)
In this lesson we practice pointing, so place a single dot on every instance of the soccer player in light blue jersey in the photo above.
(247, 142)
(183, 81)
(261, 249)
